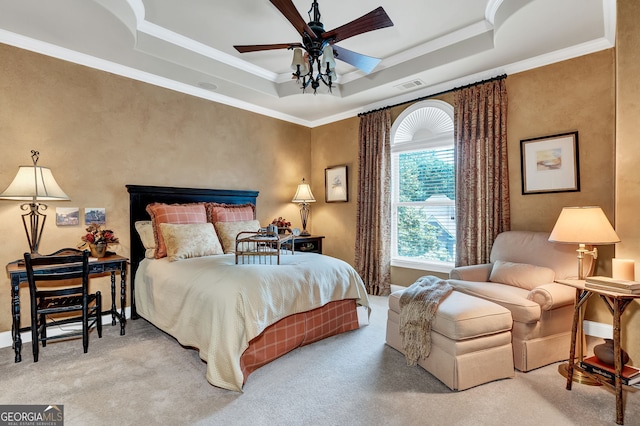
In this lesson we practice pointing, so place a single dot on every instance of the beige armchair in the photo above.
(521, 278)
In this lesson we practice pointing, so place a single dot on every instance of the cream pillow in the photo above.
(145, 231)
(521, 274)
(184, 241)
(227, 232)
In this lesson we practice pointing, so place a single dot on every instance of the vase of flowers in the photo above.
(282, 224)
(98, 239)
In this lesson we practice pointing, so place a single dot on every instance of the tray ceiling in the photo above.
(187, 46)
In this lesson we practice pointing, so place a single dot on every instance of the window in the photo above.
(423, 187)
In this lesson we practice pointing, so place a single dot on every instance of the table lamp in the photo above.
(583, 226)
(34, 183)
(304, 197)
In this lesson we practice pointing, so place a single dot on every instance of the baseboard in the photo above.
(598, 329)
(7, 341)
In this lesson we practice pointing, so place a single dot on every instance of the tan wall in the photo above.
(578, 94)
(334, 145)
(572, 95)
(627, 160)
(99, 132)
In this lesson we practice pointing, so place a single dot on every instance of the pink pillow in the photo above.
(217, 212)
(173, 213)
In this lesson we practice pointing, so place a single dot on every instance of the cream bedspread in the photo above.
(214, 305)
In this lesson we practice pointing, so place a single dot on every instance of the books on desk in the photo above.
(611, 284)
(630, 375)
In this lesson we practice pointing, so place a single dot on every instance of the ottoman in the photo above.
(470, 340)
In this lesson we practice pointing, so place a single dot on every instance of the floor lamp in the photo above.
(33, 184)
(304, 197)
(583, 226)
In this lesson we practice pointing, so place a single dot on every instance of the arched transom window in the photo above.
(423, 187)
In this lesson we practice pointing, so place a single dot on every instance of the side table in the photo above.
(617, 303)
(308, 244)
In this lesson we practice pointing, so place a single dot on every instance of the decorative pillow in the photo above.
(145, 231)
(227, 232)
(217, 212)
(184, 241)
(521, 274)
(173, 213)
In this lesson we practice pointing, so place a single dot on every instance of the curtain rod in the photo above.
(499, 77)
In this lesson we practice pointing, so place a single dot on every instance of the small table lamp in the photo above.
(304, 197)
(33, 184)
(582, 226)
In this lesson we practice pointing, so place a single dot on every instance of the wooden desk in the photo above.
(110, 264)
(616, 302)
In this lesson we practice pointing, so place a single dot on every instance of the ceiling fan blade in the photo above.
(373, 20)
(358, 60)
(290, 12)
(259, 47)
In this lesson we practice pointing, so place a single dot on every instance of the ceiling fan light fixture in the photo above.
(312, 69)
(317, 65)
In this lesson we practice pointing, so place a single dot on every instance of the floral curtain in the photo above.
(482, 174)
(373, 229)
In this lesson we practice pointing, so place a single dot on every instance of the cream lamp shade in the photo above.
(303, 194)
(583, 225)
(34, 183)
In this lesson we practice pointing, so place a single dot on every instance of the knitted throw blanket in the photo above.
(418, 306)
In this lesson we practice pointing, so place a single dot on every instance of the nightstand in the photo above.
(308, 244)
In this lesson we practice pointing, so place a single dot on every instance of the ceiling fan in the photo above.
(317, 42)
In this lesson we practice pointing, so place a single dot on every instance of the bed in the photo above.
(239, 317)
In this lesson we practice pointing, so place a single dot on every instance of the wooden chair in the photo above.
(59, 297)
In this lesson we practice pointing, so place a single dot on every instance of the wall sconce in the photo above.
(304, 196)
(34, 183)
(582, 226)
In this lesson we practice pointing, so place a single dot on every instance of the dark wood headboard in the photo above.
(140, 196)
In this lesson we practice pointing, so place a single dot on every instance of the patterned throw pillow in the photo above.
(173, 213)
(227, 232)
(184, 241)
(217, 212)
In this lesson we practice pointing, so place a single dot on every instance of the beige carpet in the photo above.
(146, 377)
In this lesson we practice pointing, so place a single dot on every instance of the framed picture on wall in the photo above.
(550, 164)
(97, 215)
(67, 216)
(335, 184)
